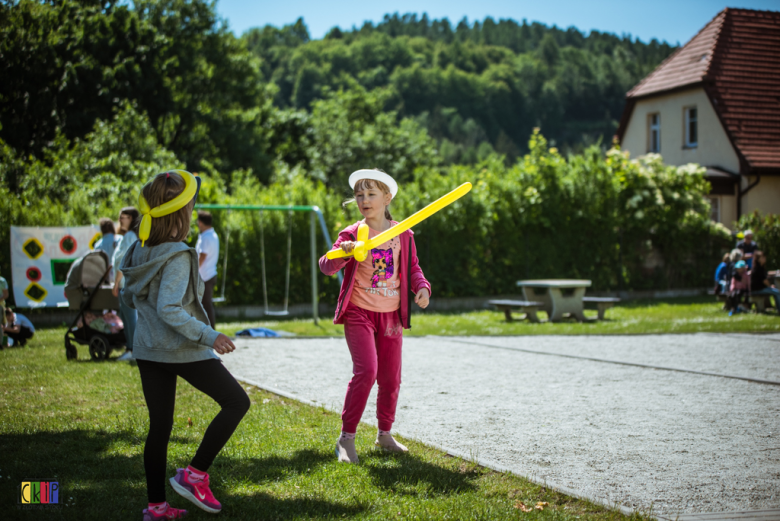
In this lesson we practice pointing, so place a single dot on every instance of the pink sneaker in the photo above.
(171, 513)
(197, 492)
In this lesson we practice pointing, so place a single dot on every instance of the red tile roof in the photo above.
(686, 66)
(736, 58)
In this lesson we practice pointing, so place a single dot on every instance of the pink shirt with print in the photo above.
(376, 280)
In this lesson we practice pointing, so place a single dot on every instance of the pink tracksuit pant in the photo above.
(374, 341)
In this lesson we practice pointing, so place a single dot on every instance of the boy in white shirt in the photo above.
(208, 252)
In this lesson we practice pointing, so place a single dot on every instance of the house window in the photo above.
(714, 209)
(654, 134)
(691, 127)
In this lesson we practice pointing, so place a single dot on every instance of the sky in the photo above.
(675, 21)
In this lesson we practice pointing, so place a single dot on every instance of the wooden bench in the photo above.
(530, 308)
(761, 301)
(602, 304)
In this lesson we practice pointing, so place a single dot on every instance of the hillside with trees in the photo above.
(474, 87)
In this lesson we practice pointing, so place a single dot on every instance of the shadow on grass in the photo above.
(95, 476)
(271, 468)
(407, 474)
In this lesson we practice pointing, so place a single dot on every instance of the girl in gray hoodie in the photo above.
(173, 338)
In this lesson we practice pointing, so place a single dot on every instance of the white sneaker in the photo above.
(128, 355)
(387, 442)
(345, 451)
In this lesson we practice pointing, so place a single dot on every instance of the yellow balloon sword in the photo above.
(363, 245)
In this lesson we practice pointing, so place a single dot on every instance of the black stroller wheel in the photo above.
(98, 347)
(71, 353)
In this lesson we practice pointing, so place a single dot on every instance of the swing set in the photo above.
(315, 214)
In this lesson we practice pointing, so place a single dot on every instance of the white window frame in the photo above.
(688, 120)
(654, 128)
(715, 208)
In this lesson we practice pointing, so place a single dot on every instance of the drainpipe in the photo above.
(741, 192)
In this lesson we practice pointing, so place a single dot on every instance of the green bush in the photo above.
(591, 216)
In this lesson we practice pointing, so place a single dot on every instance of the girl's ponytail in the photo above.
(387, 213)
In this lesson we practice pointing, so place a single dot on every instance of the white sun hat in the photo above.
(376, 175)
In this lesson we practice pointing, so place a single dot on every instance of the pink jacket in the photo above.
(410, 274)
(743, 284)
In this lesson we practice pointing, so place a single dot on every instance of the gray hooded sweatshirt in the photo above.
(163, 284)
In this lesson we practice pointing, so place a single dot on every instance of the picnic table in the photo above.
(558, 297)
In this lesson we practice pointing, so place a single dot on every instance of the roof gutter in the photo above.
(741, 192)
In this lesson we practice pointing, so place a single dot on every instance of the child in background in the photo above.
(721, 275)
(739, 291)
(374, 306)
(107, 242)
(129, 221)
(173, 339)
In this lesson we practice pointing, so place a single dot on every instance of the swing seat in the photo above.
(218, 299)
(277, 313)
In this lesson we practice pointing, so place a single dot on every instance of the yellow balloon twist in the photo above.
(363, 245)
(177, 203)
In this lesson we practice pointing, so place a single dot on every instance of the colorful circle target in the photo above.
(68, 245)
(33, 274)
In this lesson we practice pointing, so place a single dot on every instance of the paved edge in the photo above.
(741, 515)
(467, 457)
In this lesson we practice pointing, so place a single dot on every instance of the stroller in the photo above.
(86, 291)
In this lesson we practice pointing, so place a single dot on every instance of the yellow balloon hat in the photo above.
(191, 189)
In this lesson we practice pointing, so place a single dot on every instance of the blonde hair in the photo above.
(367, 184)
(163, 188)
(735, 255)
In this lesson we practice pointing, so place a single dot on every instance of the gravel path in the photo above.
(678, 442)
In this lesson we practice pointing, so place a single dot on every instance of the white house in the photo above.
(716, 102)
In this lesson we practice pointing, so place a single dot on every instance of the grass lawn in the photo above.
(84, 423)
(681, 315)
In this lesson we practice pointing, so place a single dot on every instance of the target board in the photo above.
(41, 259)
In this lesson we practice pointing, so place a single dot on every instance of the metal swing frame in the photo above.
(315, 215)
(284, 312)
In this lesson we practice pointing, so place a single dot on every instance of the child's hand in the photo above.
(115, 290)
(421, 299)
(223, 344)
(347, 246)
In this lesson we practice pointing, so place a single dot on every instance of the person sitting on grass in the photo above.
(739, 292)
(18, 327)
(759, 279)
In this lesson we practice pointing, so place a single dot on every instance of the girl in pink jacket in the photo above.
(375, 306)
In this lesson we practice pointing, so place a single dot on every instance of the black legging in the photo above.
(159, 384)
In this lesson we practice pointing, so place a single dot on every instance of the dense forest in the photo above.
(98, 95)
(475, 87)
